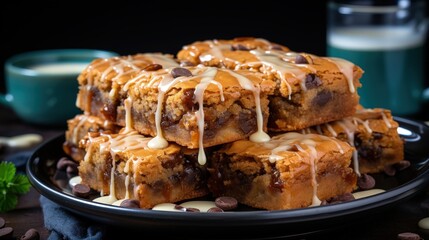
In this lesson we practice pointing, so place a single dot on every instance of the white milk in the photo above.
(375, 38)
(63, 68)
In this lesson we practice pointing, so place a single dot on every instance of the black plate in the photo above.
(250, 223)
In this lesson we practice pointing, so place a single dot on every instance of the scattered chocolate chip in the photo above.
(191, 209)
(31, 234)
(390, 170)
(402, 165)
(215, 209)
(153, 67)
(408, 236)
(186, 63)
(346, 197)
(2, 222)
(6, 233)
(226, 203)
(180, 207)
(240, 47)
(312, 81)
(299, 59)
(179, 72)
(64, 162)
(366, 182)
(130, 203)
(81, 190)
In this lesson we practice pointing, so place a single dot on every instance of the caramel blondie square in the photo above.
(292, 170)
(373, 132)
(310, 90)
(123, 167)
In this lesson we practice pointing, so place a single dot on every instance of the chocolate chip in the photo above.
(276, 47)
(402, 165)
(191, 209)
(299, 59)
(180, 208)
(247, 122)
(389, 170)
(215, 209)
(31, 234)
(239, 47)
(81, 190)
(312, 81)
(408, 236)
(2, 222)
(346, 197)
(186, 63)
(6, 233)
(130, 203)
(366, 182)
(64, 162)
(322, 98)
(179, 72)
(226, 203)
(153, 67)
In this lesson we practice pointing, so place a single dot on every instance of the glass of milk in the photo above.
(42, 86)
(386, 39)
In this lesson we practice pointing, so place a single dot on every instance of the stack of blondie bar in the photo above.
(246, 118)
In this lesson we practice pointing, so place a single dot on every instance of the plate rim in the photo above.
(138, 217)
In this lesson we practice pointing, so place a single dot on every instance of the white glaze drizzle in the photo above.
(350, 129)
(305, 143)
(386, 121)
(259, 135)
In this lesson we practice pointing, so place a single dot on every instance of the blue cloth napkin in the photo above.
(63, 224)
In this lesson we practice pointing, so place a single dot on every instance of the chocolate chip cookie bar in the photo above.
(373, 132)
(192, 106)
(310, 90)
(292, 170)
(121, 166)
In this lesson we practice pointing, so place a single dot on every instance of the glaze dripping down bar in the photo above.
(192, 106)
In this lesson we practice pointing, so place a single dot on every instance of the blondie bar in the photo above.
(121, 166)
(292, 170)
(310, 90)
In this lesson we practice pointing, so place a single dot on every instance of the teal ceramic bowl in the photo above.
(42, 86)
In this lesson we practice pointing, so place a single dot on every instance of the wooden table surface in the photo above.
(402, 217)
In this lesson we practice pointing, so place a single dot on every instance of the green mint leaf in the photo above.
(20, 184)
(11, 186)
(8, 201)
(7, 171)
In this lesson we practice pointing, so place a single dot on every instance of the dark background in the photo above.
(129, 27)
